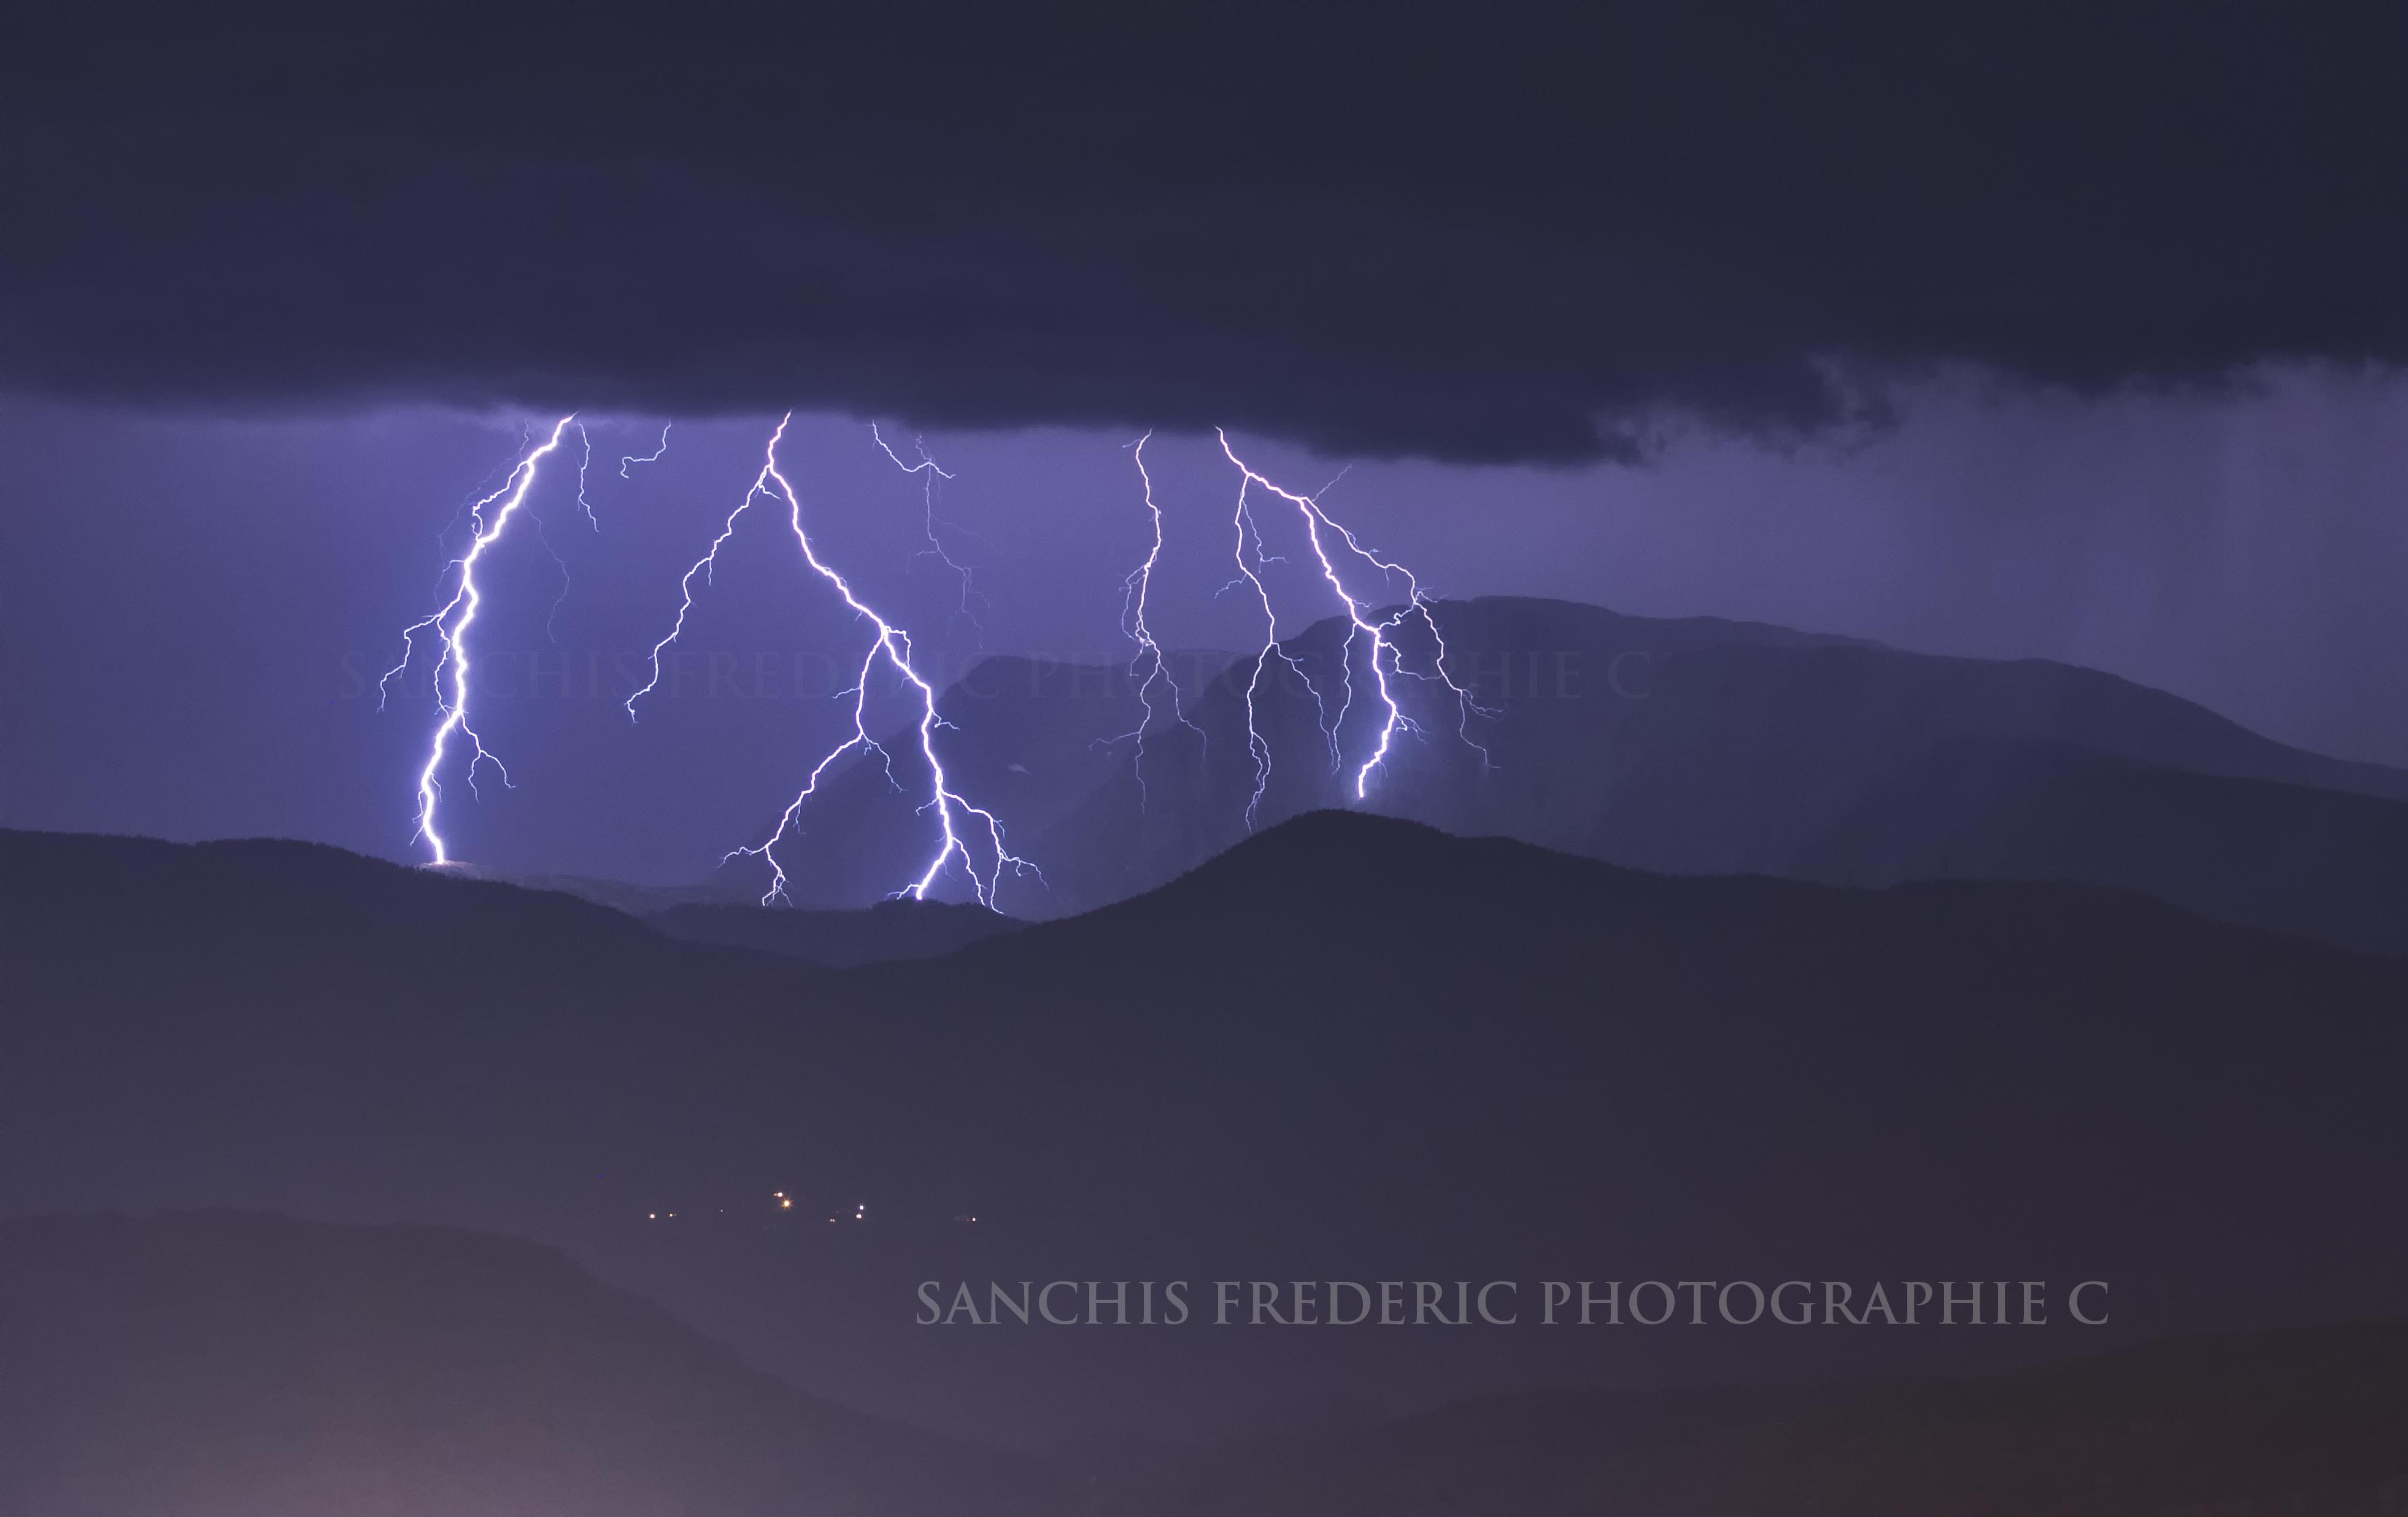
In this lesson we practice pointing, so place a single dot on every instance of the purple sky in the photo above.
(188, 607)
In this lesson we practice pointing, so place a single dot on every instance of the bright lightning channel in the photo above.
(653, 457)
(1135, 589)
(706, 566)
(543, 534)
(894, 645)
(955, 814)
(584, 466)
(1258, 747)
(450, 623)
(1386, 659)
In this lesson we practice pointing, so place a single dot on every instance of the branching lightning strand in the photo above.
(894, 646)
(1386, 660)
(930, 474)
(1135, 589)
(450, 623)
(653, 457)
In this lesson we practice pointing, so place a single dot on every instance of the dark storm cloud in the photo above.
(1481, 232)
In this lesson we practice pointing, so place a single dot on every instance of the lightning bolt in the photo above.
(1134, 592)
(705, 566)
(930, 474)
(893, 646)
(1386, 659)
(450, 623)
(585, 464)
(1258, 747)
(969, 834)
(708, 562)
(543, 534)
(653, 457)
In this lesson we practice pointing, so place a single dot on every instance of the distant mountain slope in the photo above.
(1743, 754)
(1691, 745)
(1564, 682)
(1683, 745)
(1665, 746)
(2306, 1423)
(2321, 863)
(231, 1366)
(1350, 1048)
(1686, 746)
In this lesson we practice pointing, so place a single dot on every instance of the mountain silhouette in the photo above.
(1351, 1048)
(620, 895)
(1688, 746)
(729, 913)
(899, 929)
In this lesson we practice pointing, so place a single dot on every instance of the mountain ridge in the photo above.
(1678, 745)
(1734, 1076)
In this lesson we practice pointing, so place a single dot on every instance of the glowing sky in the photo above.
(192, 611)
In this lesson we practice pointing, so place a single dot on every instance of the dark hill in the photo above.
(900, 929)
(619, 894)
(1351, 1048)
(208, 1364)
(728, 912)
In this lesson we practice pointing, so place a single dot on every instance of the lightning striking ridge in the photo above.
(450, 623)
(653, 457)
(930, 474)
(1134, 591)
(893, 646)
(1386, 660)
